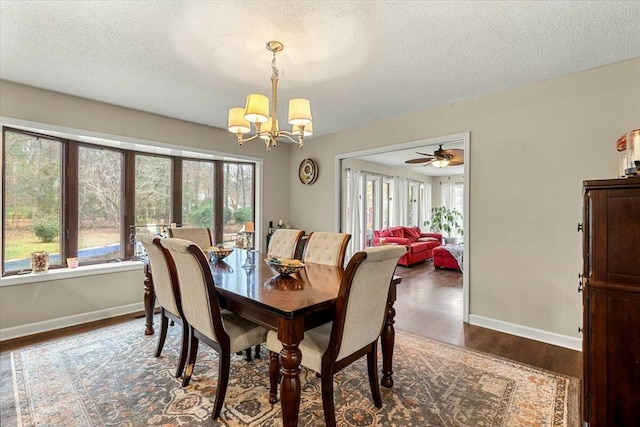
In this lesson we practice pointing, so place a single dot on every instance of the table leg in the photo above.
(388, 338)
(290, 333)
(149, 301)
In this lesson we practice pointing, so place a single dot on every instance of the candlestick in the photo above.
(248, 227)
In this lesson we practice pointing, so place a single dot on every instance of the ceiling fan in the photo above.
(440, 158)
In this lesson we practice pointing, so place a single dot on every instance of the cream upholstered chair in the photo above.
(326, 248)
(167, 294)
(225, 333)
(361, 308)
(201, 236)
(284, 242)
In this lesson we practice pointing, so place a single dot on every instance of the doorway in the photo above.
(366, 214)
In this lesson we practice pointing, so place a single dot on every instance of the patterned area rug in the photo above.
(109, 377)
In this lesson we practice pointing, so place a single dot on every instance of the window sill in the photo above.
(73, 273)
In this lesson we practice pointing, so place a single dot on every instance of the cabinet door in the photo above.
(614, 232)
(613, 364)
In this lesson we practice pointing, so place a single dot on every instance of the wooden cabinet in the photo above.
(611, 286)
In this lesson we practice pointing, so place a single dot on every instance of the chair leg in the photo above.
(193, 352)
(257, 354)
(184, 348)
(274, 373)
(224, 365)
(247, 355)
(164, 324)
(372, 367)
(327, 398)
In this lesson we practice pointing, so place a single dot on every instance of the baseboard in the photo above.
(63, 322)
(527, 332)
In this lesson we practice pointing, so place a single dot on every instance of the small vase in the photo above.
(39, 262)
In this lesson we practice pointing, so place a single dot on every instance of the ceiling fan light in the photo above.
(440, 163)
(237, 122)
(257, 108)
(299, 111)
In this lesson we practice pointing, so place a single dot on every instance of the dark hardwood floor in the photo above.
(429, 304)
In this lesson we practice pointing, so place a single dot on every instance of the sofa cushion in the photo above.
(418, 247)
(428, 239)
(412, 234)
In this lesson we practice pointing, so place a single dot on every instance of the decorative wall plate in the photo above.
(308, 171)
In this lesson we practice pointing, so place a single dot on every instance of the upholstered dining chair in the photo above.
(167, 294)
(361, 308)
(201, 236)
(284, 242)
(225, 333)
(326, 248)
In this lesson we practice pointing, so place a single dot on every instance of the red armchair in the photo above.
(420, 245)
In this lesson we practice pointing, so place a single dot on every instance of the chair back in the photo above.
(283, 243)
(201, 236)
(361, 306)
(162, 273)
(199, 300)
(326, 248)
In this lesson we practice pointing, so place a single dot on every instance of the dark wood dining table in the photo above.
(289, 305)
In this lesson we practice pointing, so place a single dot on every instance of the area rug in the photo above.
(109, 377)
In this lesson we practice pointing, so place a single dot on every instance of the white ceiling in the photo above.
(358, 61)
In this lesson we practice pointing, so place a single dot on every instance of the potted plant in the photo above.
(444, 220)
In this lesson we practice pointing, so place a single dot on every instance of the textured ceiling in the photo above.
(357, 61)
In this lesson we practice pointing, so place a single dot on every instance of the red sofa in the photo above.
(420, 244)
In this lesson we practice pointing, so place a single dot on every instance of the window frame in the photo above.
(69, 196)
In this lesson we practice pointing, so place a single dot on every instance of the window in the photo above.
(32, 199)
(238, 199)
(453, 198)
(100, 195)
(414, 204)
(153, 190)
(73, 199)
(197, 193)
(387, 191)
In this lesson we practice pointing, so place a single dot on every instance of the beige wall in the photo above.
(69, 300)
(525, 253)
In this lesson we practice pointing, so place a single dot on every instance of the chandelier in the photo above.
(266, 127)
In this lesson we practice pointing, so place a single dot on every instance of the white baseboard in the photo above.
(63, 322)
(527, 332)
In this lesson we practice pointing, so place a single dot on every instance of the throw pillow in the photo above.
(412, 234)
(396, 232)
(428, 239)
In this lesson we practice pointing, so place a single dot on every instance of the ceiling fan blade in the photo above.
(457, 156)
(425, 154)
(420, 160)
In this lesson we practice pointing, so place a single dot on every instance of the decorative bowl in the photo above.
(219, 253)
(284, 266)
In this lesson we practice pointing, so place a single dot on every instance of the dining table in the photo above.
(289, 304)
